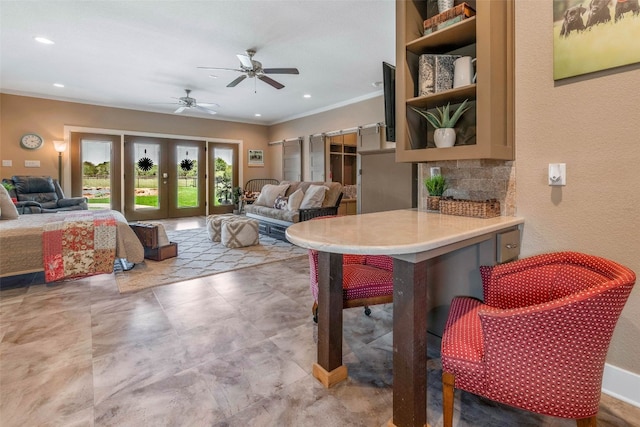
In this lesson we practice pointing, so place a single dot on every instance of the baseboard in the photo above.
(621, 384)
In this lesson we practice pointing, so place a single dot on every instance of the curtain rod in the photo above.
(282, 141)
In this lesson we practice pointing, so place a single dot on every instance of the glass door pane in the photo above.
(187, 189)
(223, 177)
(187, 177)
(146, 176)
(96, 173)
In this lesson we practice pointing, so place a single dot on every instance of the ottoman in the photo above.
(214, 224)
(239, 232)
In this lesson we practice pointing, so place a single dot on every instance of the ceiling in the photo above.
(138, 54)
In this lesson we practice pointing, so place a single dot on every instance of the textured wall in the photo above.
(591, 123)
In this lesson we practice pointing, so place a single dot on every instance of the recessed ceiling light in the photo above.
(258, 115)
(58, 85)
(44, 40)
(306, 95)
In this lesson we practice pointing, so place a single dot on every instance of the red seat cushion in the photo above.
(363, 281)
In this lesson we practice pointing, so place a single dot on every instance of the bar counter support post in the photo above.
(329, 368)
(409, 344)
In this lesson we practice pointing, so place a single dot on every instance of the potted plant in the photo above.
(9, 187)
(236, 193)
(444, 122)
(436, 186)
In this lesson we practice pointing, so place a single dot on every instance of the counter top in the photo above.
(406, 231)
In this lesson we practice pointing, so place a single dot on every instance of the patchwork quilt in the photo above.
(78, 245)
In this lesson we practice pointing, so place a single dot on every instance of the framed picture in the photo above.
(256, 158)
(590, 37)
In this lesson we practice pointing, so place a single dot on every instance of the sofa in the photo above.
(279, 206)
(42, 194)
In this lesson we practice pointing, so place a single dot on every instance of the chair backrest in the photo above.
(544, 278)
(41, 189)
(255, 185)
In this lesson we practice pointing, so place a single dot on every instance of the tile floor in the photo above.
(234, 349)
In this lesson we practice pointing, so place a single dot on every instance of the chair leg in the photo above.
(448, 381)
(586, 422)
(367, 310)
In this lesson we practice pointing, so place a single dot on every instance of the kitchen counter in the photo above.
(412, 238)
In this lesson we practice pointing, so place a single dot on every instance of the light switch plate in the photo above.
(32, 163)
(7, 163)
(557, 174)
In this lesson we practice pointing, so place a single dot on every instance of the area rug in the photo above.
(198, 257)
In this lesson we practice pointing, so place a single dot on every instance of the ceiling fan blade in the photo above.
(208, 104)
(179, 110)
(206, 110)
(245, 61)
(281, 71)
(236, 81)
(272, 82)
(220, 68)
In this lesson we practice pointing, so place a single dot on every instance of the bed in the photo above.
(21, 243)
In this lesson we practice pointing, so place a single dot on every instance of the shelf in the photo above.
(452, 37)
(453, 96)
(488, 36)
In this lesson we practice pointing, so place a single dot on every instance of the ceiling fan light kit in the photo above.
(253, 69)
(189, 103)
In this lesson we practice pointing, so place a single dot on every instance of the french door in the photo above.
(95, 160)
(223, 177)
(164, 178)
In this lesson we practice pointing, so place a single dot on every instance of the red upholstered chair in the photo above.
(366, 280)
(539, 340)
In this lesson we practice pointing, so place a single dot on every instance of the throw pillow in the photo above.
(269, 194)
(314, 196)
(7, 209)
(295, 199)
(281, 202)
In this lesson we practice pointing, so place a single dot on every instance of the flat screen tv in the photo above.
(389, 86)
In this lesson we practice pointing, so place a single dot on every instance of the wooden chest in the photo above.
(162, 252)
(153, 238)
(147, 234)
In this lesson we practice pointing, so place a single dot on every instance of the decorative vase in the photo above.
(445, 137)
(444, 5)
(433, 203)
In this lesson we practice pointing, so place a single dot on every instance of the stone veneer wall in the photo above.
(474, 180)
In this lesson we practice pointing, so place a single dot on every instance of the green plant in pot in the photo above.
(436, 186)
(444, 122)
(8, 186)
(236, 194)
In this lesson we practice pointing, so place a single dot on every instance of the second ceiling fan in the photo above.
(252, 68)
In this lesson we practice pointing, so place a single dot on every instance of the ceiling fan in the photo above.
(252, 68)
(187, 102)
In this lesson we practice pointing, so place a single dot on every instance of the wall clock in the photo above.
(31, 141)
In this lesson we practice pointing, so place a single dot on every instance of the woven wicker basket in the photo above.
(483, 209)
(433, 203)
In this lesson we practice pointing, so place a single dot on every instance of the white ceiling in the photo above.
(135, 53)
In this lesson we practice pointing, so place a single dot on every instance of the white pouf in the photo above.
(239, 232)
(214, 224)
